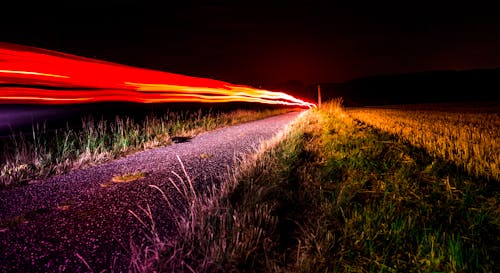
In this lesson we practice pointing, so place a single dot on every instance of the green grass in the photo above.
(334, 195)
(45, 153)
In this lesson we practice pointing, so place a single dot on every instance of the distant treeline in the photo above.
(423, 87)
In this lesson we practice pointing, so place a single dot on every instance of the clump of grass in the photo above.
(45, 153)
(128, 177)
(226, 228)
(206, 155)
(332, 194)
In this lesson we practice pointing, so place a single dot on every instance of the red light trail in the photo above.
(31, 75)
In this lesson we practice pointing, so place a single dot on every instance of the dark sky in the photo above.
(265, 42)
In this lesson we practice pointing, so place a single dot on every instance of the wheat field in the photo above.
(470, 139)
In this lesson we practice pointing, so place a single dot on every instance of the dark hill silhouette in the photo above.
(475, 85)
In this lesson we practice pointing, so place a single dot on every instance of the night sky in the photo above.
(259, 43)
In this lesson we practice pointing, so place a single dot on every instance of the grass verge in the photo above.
(45, 153)
(333, 195)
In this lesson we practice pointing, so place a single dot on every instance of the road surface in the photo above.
(56, 224)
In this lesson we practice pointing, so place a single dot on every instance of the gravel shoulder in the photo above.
(80, 221)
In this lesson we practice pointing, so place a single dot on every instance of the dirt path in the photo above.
(62, 223)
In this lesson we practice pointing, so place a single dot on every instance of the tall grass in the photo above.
(224, 229)
(331, 194)
(49, 152)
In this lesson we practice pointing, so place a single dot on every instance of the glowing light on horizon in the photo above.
(38, 76)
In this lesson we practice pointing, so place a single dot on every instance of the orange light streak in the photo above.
(32, 73)
(39, 76)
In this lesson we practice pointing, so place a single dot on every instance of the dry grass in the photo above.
(128, 177)
(469, 140)
(331, 194)
(44, 153)
(215, 232)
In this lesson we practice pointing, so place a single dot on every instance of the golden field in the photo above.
(467, 135)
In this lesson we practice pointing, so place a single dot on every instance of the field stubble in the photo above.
(471, 140)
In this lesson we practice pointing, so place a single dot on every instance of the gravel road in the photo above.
(80, 221)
